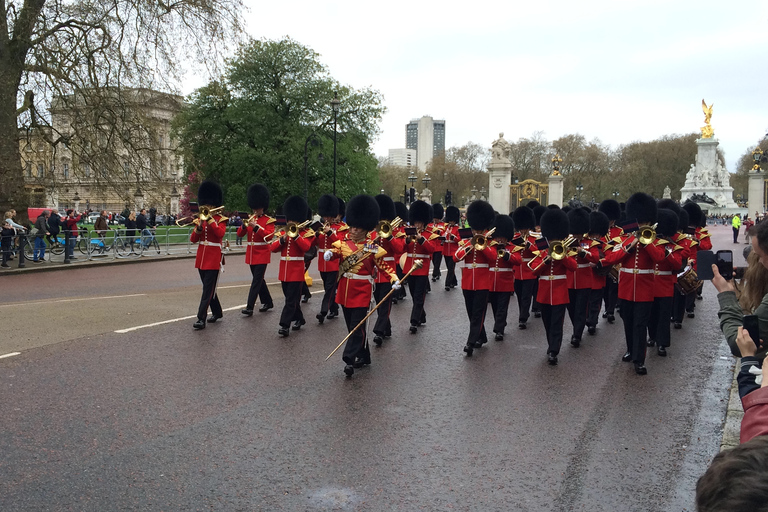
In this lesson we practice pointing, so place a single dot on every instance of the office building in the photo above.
(402, 157)
(427, 137)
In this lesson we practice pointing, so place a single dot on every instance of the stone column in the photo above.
(556, 189)
(174, 202)
(138, 199)
(755, 192)
(499, 180)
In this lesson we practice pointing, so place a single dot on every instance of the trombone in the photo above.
(292, 230)
(647, 234)
(479, 242)
(559, 248)
(205, 213)
(385, 227)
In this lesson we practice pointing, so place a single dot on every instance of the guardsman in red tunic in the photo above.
(612, 209)
(502, 272)
(551, 266)
(580, 279)
(665, 277)
(361, 260)
(450, 244)
(258, 229)
(685, 241)
(699, 243)
(402, 211)
(208, 233)
(437, 226)
(292, 243)
(419, 245)
(328, 209)
(638, 257)
(598, 232)
(538, 211)
(524, 242)
(475, 256)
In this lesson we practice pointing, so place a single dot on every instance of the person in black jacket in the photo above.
(130, 228)
(54, 227)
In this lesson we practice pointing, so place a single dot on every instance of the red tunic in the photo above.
(292, 254)
(393, 245)
(419, 251)
(636, 274)
(474, 266)
(325, 242)
(522, 270)
(553, 285)
(665, 275)
(355, 285)
(582, 278)
(451, 242)
(209, 243)
(502, 270)
(257, 251)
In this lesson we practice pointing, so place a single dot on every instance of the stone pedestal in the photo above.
(755, 190)
(499, 180)
(708, 178)
(426, 196)
(556, 189)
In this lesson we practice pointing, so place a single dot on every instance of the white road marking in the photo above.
(72, 300)
(10, 354)
(130, 329)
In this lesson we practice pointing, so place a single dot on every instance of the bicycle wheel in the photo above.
(82, 245)
(155, 245)
(122, 250)
(29, 250)
(57, 248)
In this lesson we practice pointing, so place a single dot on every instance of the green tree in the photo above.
(273, 102)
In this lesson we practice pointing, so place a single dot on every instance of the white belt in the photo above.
(636, 270)
(358, 276)
(256, 243)
(292, 258)
(388, 258)
(212, 244)
(664, 273)
(474, 265)
(526, 260)
(417, 256)
(552, 278)
(582, 265)
(494, 269)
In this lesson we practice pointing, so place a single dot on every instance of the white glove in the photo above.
(396, 285)
(327, 255)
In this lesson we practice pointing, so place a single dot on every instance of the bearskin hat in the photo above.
(642, 208)
(682, 219)
(342, 207)
(452, 214)
(210, 194)
(386, 207)
(480, 215)
(578, 221)
(258, 196)
(553, 207)
(295, 209)
(402, 211)
(611, 209)
(363, 212)
(669, 204)
(567, 208)
(328, 206)
(667, 220)
(524, 218)
(420, 212)
(598, 223)
(437, 211)
(532, 204)
(694, 213)
(538, 212)
(505, 227)
(554, 224)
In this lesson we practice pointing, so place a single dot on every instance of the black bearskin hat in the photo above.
(642, 208)
(578, 220)
(611, 209)
(694, 213)
(258, 196)
(532, 204)
(401, 210)
(683, 220)
(437, 211)
(667, 222)
(328, 206)
(524, 218)
(363, 212)
(452, 214)
(554, 224)
(342, 207)
(505, 227)
(538, 212)
(480, 215)
(669, 204)
(420, 212)
(295, 209)
(598, 223)
(553, 207)
(210, 194)
(386, 207)
(567, 208)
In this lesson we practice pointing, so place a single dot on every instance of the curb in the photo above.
(734, 414)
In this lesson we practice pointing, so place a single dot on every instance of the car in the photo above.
(92, 218)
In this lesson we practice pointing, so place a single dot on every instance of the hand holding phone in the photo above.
(724, 262)
(752, 326)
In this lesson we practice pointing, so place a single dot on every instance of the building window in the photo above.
(66, 171)
(87, 170)
(104, 172)
(126, 170)
(28, 169)
(40, 171)
(160, 141)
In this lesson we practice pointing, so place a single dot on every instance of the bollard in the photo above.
(22, 243)
(66, 246)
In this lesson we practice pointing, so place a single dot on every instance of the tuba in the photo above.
(559, 248)
(647, 234)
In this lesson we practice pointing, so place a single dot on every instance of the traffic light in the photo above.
(413, 194)
(448, 197)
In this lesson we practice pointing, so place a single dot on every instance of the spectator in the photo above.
(130, 228)
(17, 229)
(6, 238)
(70, 226)
(54, 226)
(237, 221)
(41, 224)
(753, 389)
(736, 480)
(101, 226)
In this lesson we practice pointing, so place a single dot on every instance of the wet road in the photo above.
(235, 418)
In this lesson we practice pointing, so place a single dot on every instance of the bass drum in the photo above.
(687, 281)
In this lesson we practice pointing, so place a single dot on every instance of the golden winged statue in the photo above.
(707, 132)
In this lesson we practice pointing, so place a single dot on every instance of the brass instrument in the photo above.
(185, 222)
(293, 229)
(559, 248)
(647, 234)
(206, 212)
(479, 242)
(385, 228)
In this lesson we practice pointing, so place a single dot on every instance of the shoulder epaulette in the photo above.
(676, 247)
(432, 236)
(704, 234)
(270, 220)
(310, 233)
(616, 239)
(593, 243)
(343, 227)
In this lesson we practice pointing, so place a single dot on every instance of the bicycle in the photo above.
(148, 242)
(101, 248)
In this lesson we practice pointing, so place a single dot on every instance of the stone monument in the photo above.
(556, 180)
(499, 175)
(667, 193)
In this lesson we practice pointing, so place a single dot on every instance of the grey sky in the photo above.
(613, 70)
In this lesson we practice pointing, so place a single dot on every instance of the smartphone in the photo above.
(724, 261)
(465, 233)
(704, 262)
(752, 326)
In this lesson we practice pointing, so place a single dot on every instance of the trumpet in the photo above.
(386, 227)
(647, 234)
(559, 248)
(293, 229)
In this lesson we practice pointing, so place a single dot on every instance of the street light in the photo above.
(579, 188)
(615, 195)
(426, 180)
(335, 106)
(412, 180)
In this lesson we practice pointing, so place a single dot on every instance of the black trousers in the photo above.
(578, 308)
(636, 317)
(535, 306)
(499, 305)
(258, 287)
(209, 297)
(680, 303)
(735, 235)
(553, 318)
(357, 344)
(595, 301)
(383, 326)
(305, 287)
(329, 297)
(437, 260)
(400, 294)
(292, 308)
(476, 302)
(690, 301)
(450, 277)
(524, 289)
(418, 287)
(658, 326)
(611, 296)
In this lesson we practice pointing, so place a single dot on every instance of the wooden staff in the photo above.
(416, 265)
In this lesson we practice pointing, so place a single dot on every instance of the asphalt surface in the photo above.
(235, 418)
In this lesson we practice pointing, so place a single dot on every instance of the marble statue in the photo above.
(667, 193)
(500, 150)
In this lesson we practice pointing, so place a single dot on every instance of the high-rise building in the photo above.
(402, 157)
(427, 137)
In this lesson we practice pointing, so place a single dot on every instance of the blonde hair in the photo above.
(8, 214)
(754, 285)
(132, 216)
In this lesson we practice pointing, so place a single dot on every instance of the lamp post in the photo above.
(615, 195)
(474, 193)
(579, 188)
(482, 193)
(426, 180)
(335, 106)
(411, 179)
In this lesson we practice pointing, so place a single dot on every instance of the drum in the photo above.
(614, 273)
(687, 281)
